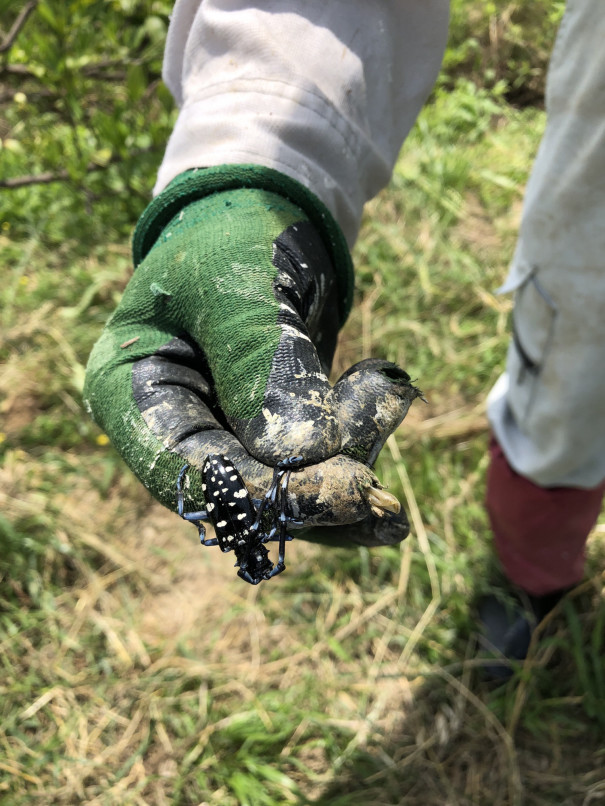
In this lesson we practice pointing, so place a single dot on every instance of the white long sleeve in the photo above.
(324, 91)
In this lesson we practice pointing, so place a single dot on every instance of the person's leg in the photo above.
(539, 532)
(547, 475)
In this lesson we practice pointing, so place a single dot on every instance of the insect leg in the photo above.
(213, 541)
(196, 518)
(245, 575)
(282, 523)
(180, 496)
(292, 462)
(283, 471)
(269, 497)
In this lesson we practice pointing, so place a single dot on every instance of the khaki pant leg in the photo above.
(548, 409)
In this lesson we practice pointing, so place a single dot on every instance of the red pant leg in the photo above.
(540, 533)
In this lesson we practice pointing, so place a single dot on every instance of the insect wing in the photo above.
(228, 502)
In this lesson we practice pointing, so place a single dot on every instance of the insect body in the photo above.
(239, 526)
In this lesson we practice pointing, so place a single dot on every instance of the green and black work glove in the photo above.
(222, 343)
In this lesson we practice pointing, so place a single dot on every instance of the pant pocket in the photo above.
(533, 325)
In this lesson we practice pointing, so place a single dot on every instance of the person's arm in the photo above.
(292, 116)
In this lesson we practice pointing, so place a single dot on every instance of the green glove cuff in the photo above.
(198, 183)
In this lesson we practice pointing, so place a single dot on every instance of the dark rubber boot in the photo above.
(506, 628)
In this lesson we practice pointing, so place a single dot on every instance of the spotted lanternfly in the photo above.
(239, 526)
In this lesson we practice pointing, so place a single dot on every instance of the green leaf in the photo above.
(136, 82)
(46, 12)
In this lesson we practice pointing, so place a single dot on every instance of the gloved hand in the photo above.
(221, 345)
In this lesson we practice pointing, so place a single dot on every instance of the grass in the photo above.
(136, 668)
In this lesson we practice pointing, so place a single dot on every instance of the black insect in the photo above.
(239, 525)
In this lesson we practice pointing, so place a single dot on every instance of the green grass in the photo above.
(136, 668)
